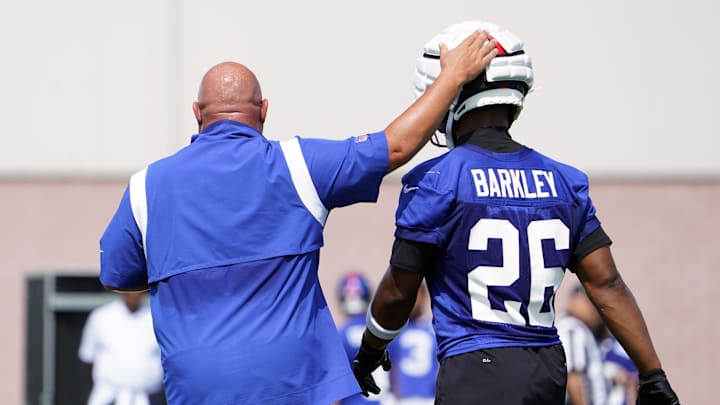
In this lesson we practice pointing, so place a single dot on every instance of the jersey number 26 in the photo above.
(541, 277)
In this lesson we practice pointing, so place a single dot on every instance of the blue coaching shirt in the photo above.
(227, 233)
(506, 225)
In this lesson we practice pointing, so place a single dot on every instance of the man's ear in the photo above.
(263, 110)
(196, 112)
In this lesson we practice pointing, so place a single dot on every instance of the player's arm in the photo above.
(396, 294)
(576, 388)
(393, 302)
(413, 128)
(391, 307)
(122, 259)
(617, 306)
(389, 312)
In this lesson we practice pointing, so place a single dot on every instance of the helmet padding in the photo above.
(506, 80)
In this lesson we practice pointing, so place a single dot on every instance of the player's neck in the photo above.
(481, 120)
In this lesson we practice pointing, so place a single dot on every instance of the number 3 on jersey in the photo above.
(541, 277)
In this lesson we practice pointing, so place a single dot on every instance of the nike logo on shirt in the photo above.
(407, 189)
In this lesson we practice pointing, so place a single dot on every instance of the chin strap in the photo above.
(449, 124)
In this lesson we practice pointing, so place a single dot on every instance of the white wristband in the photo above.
(378, 331)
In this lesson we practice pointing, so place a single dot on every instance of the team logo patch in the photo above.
(361, 138)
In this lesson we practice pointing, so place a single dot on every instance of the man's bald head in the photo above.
(230, 91)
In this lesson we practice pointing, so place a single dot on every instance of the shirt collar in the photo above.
(227, 129)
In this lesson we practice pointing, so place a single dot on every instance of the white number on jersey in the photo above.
(541, 277)
(419, 347)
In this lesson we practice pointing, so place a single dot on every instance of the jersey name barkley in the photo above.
(514, 183)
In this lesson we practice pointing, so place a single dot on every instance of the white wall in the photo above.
(102, 88)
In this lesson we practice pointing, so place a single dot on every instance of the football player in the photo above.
(491, 225)
(354, 293)
(414, 353)
(577, 328)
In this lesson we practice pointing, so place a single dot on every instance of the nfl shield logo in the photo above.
(361, 138)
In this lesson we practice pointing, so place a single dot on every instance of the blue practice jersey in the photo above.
(613, 352)
(616, 363)
(414, 361)
(506, 225)
(227, 232)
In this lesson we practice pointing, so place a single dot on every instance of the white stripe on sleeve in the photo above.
(302, 181)
(138, 203)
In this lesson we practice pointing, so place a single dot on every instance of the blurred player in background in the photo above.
(578, 328)
(354, 292)
(620, 372)
(119, 343)
(226, 234)
(491, 226)
(414, 356)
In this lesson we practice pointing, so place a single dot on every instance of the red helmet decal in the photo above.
(500, 49)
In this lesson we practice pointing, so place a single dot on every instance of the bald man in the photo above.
(226, 234)
(230, 91)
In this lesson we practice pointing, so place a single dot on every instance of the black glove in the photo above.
(654, 389)
(365, 362)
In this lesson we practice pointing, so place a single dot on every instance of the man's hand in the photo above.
(407, 133)
(365, 362)
(469, 58)
(655, 389)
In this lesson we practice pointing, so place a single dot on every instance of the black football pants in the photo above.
(504, 376)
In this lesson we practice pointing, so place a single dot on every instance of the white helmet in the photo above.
(506, 80)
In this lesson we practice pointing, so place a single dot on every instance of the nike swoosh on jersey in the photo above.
(407, 189)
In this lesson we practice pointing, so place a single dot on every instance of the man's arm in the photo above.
(388, 313)
(394, 300)
(617, 306)
(413, 128)
(123, 266)
(576, 388)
